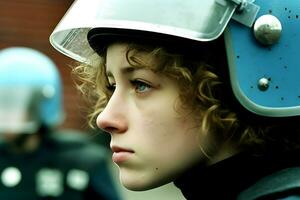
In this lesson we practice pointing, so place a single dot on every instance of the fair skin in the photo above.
(153, 140)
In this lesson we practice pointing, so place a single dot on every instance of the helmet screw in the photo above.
(263, 84)
(267, 29)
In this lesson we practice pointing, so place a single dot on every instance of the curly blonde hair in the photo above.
(203, 90)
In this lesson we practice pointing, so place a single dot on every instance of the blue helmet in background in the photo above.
(262, 40)
(30, 91)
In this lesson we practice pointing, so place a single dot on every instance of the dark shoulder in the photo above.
(2, 146)
(283, 184)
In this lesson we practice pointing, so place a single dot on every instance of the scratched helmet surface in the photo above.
(261, 39)
(30, 91)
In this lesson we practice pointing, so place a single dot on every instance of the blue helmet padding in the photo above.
(250, 61)
(22, 66)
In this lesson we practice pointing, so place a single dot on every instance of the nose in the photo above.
(113, 118)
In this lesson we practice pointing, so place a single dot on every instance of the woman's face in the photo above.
(152, 140)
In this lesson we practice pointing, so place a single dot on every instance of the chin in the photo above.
(140, 184)
(136, 187)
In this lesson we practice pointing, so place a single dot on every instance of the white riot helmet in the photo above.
(262, 40)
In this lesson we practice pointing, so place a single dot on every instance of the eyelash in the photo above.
(138, 83)
(135, 83)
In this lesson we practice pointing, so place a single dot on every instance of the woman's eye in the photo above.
(140, 87)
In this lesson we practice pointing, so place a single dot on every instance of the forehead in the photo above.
(128, 54)
(116, 49)
(116, 55)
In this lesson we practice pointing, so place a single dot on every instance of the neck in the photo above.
(225, 151)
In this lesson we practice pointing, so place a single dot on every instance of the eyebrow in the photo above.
(125, 70)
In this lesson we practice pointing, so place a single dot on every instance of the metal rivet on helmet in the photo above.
(267, 29)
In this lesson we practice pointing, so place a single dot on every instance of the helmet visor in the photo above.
(17, 110)
(192, 19)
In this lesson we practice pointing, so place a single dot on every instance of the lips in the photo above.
(117, 149)
(120, 154)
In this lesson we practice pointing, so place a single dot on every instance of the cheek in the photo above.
(168, 138)
(160, 126)
(165, 144)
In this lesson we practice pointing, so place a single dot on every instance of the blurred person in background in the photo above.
(37, 159)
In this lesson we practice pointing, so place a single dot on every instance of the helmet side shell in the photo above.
(278, 65)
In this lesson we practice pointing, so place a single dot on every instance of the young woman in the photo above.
(168, 104)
